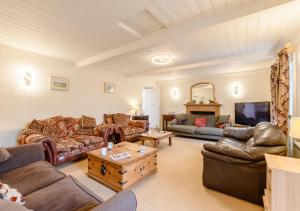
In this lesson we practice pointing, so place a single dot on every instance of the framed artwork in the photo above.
(109, 87)
(59, 83)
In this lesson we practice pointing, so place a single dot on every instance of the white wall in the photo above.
(20, 104)
(254, 86)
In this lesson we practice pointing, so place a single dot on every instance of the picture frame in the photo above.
(109, 87)
(59, 83)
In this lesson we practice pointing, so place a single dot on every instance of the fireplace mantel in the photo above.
(214, 108)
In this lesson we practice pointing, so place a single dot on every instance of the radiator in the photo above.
(8, 137)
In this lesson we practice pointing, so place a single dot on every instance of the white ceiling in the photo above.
(198, 33)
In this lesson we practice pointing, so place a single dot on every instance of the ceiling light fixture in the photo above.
(162, 59)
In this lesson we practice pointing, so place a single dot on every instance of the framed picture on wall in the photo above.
(59, 83)
(109, 87)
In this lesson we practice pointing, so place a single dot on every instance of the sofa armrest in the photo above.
(104, 131)
(249, 154)
(48, 143)
(123, 201)
(23, 155)
(140, 124)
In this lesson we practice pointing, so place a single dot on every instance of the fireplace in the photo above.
(213, 109)
(203, 112)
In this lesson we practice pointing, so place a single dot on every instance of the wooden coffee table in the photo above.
(121, 174)
(156, 136)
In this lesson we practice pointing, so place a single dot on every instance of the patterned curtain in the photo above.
(280, 90)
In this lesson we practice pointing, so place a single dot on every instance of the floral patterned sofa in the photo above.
(65, 138)
(124, 128)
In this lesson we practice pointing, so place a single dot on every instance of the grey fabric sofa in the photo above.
(185, 126)
(44, 188)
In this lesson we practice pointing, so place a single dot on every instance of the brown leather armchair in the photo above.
(236, 165)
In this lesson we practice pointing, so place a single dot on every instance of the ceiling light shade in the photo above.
(162, 59)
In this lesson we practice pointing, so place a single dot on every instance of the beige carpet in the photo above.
(176, 186)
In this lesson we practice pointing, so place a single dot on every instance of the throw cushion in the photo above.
(200, 122)
(10, 194)
(121, 119)
(4, 154)
(88, 122)
(180, 119)
(109, 120)
(34, 127)
(55, 127)
(223, 119)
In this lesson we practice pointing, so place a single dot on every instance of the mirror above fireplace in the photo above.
(202, 93)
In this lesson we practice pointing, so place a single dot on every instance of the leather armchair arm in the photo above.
(123, 201)
(242, 134)
(249, 154)
(22, 155)
(140, 124)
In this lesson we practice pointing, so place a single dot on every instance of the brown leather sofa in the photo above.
(124, 128)
(45, 188)
(65, 138)
(236, 165)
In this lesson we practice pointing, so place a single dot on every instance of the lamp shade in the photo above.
(295, 127)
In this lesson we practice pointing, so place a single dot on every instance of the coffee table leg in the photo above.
(142, 141)
(170, 141)
(154, 144)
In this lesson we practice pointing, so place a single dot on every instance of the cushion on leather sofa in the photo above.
(31, 177)
(182, 128)
(239, 133)
(54, 198)
(268, 134)
(209, 131)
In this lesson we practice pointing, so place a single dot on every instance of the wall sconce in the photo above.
(236, 90)
(27, 79)
(175, 93)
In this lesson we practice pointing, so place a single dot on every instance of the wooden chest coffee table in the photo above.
(156, 136)
(121, 174)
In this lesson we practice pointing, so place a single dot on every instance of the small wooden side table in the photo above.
(165, 119)
(155, 137)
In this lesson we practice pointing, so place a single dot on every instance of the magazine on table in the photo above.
(120, 156)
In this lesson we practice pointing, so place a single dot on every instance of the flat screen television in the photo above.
(252, 113)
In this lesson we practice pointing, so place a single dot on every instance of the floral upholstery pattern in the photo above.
(128, 130)
(88, 122)
(67, 144)
(64, 138)
(138, 123)
(132, 130)
(55, 127)
(121, 119)
(72, 125)
(87, 140)
(35, 126)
